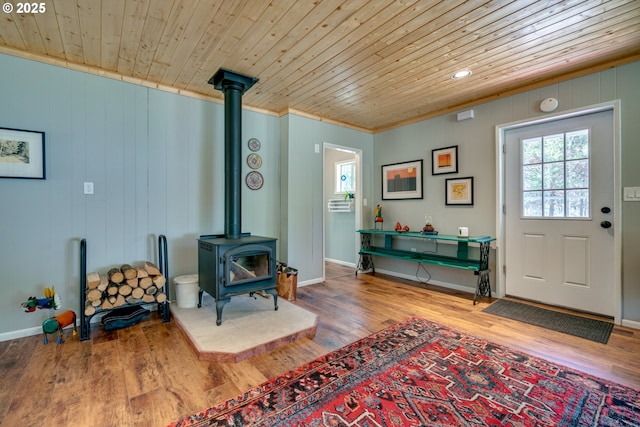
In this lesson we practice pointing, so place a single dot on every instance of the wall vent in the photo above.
(340, 205)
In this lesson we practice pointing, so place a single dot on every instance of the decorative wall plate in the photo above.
(254, 160)
(254, 144)
(254, 180)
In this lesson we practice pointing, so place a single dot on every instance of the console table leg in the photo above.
(365, 262)
(483, 287)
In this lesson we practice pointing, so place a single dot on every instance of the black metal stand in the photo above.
(483, 288)
(85, 328)
(163, 307)
(365, 261)
(163, 260)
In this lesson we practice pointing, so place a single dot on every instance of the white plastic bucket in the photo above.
(186, 290)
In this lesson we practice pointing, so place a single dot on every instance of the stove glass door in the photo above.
(248, 264)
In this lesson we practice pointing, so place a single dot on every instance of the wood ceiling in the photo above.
(369, 64)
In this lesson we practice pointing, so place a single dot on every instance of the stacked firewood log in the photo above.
(124, 285)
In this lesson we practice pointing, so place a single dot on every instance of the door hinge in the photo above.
(504, 269)
(504, 148)
(504, 209)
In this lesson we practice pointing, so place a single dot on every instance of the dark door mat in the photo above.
(583, 327)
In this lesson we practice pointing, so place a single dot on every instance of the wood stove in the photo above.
(234, 263)
(229, 267)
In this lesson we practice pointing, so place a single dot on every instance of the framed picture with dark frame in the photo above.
(444, 160)
(21, 154)
(459, 191)
(402, 180)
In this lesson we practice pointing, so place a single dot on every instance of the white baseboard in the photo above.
(631, 324)
(21, 333)
(337, 261)
(310, 282)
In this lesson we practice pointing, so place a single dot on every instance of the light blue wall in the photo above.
(304, 203)
(156, 161)
(477, 157)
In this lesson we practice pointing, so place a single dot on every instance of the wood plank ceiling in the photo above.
(369, 64)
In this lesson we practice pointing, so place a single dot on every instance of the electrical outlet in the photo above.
(88, 188)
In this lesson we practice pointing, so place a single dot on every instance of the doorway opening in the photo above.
(342, 211)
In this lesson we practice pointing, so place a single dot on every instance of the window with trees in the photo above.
(555, 175)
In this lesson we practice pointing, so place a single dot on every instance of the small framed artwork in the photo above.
(21, 154)
(402, 180)
(444, 160)
(459, 191)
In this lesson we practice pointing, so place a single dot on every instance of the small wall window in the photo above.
(345, 177)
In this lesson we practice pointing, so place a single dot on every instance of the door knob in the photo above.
(605, 224)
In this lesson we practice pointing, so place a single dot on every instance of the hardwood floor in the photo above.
(147, 375)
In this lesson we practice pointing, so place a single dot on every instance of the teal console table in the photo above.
(475, 259)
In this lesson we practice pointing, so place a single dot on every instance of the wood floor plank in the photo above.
(244, 374)
(140, 370)
(70, 401)
(73, 378)
(110, 406)
(35, 387)
(221, 393)
(179, 378)
(14, 359)
(148, 375)
(154, 407)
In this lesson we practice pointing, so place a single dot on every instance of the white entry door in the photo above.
(559, 213)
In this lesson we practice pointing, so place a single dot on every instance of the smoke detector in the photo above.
(548, 105)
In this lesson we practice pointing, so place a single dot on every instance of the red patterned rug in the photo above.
(418, 373)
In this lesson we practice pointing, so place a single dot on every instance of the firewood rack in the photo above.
(163, 308)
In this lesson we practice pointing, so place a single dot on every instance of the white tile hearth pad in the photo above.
(250, 325)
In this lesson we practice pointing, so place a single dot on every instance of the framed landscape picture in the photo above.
(21, 154)
(444, 160)
(402, 181)
(459, 191)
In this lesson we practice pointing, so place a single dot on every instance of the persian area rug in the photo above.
(418, 373)
(579, 326)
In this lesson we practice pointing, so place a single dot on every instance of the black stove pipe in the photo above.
(233, 85)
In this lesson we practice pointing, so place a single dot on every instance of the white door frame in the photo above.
(357, 199)
(617, 199)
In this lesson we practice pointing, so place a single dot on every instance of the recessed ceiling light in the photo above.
(460, 74)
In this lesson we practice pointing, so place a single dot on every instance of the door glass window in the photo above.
(555, 175)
